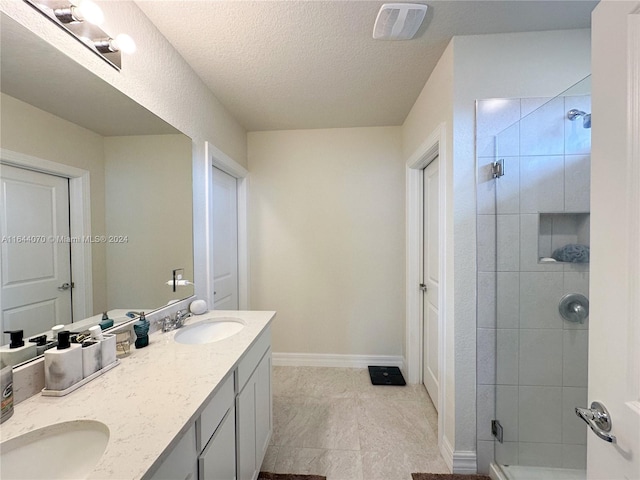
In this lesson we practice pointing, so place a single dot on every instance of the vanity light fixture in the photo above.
(80, 11)
(122, 43)
(80, 18)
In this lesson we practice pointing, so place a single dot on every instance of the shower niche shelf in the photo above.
(555, 230)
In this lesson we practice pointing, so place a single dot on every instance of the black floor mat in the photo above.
(386, 376)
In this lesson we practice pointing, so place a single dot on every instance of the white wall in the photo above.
(148, 199)
(158, 78)
(487, 66)
(614, 340)
(31, 131)
(327, 238)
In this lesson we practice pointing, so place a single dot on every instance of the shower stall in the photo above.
(533, 184)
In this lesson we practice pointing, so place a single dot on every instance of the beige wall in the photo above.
(486, 66)
(31, 131)
(148, 199)
(327, 238)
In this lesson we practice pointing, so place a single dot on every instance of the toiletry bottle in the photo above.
(91, 357)
(6, 392)
(96, 333)
(55, 330)
(107, 345)
(41, 344)
(106, 322)
(63, 365)
(141, 327)
(17, 352)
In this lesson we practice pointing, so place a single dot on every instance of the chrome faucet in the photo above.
(181, 316)
(167, 323)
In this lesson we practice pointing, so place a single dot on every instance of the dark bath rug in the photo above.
(447, 476)
(288, 476)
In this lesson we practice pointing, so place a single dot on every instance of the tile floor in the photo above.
(333, 422)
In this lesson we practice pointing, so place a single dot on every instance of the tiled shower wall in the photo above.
(532, 364)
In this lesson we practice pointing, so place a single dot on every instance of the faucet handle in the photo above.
(165, 323)
(181, 316)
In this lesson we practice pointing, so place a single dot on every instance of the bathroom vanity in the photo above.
(175, 410)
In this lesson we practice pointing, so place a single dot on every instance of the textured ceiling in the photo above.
(313, 64)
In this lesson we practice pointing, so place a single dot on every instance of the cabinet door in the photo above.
(246, 427)
(253, 406)
(262, 378)
(181, 463)
(218, 460)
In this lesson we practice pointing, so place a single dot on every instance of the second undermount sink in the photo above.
(68, 450)
(209, 331)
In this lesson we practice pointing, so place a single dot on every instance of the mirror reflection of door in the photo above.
(36, 269)
(225, 241)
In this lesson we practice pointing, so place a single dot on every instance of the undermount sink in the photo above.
(209, 331)
(68, 450)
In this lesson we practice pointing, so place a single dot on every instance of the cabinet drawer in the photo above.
(250, 361)
(180, 463)
(213, 413)
(218, 460)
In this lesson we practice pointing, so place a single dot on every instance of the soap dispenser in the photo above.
(141, 328)
(106, 322)
(16, 352)
(63, 365)
(41, 344)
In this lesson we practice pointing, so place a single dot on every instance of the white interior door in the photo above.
(614, 330)
(225, 241)
(36, 265)
(431, 282)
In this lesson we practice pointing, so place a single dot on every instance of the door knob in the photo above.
(598, 419)
(65, 286)
(423, 287)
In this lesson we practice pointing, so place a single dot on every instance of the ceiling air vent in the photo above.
(398, 21)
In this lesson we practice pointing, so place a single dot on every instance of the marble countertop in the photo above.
(148, 400)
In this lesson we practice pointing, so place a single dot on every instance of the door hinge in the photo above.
(496, 430)
(497, 168)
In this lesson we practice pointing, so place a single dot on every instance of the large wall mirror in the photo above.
(95, 199)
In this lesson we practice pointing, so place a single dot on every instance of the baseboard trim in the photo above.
(465, 462)
(335, 360)
(461, 462)
(447, 452)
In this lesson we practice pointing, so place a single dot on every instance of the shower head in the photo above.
(573, 114)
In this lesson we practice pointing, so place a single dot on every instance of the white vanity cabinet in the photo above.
(229, 439)
(216, 435)
(218, 459)
(181, 463)
(253, 409)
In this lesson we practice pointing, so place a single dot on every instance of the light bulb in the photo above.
(86, 10)
(124, 43)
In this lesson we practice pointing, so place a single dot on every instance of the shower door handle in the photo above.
(598, 419)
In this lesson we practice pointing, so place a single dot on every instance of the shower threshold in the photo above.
(518, 472)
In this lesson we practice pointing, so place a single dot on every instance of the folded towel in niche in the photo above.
(572, 253)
